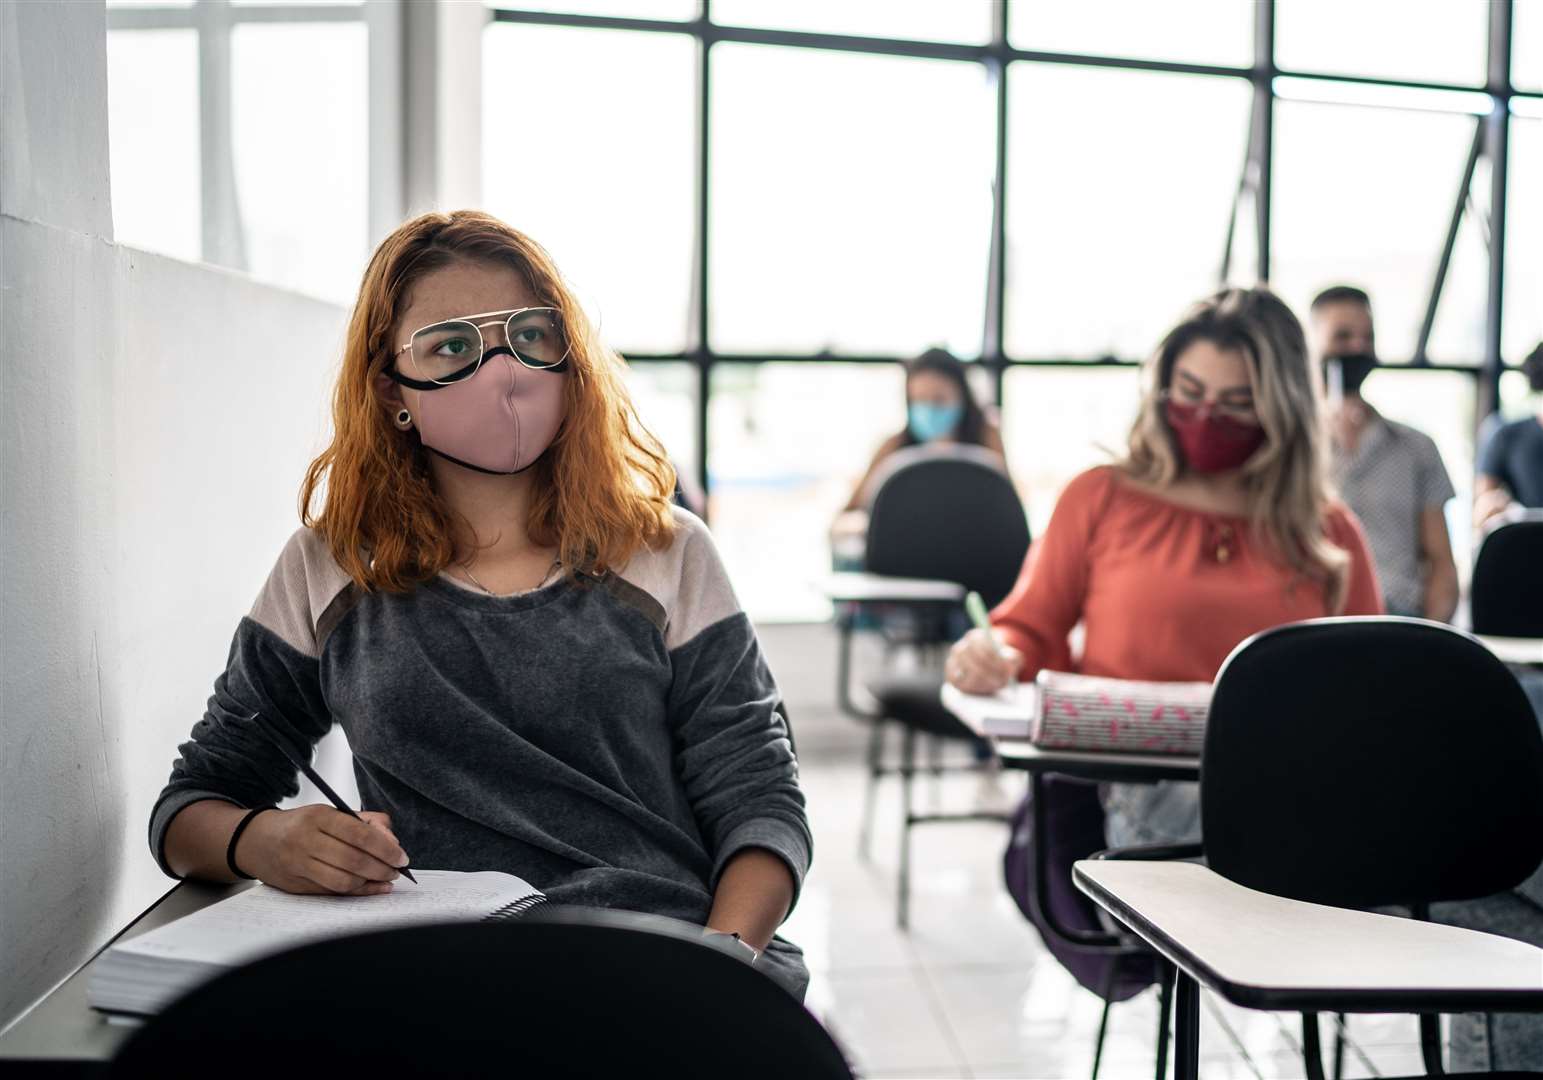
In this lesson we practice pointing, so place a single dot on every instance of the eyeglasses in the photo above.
(450, 351)
(1242, 414)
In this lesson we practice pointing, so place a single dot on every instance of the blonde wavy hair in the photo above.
(602, 491)
(1286, 479)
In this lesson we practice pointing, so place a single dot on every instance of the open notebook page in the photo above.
(264, 919)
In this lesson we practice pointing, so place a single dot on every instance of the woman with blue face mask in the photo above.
(939, 409)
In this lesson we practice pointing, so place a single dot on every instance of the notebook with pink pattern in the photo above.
(1086, 712)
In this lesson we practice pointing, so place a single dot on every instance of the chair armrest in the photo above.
(1152, 852)
(861, 588)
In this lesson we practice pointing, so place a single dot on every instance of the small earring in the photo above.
(404, 419)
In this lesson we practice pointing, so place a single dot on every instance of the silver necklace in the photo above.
(466, 569)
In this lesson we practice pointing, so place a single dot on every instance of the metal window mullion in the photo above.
(333, 13)
(701, 346)
(419, 58)
(1244, 186)
(223, 240)
(994, 340)
(1496, 148)
(1422, 343)
(1262, 130)
(386, 117)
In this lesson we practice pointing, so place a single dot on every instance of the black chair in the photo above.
(564, 992)
(1362, 763)
(936, 513)
(1506, 595)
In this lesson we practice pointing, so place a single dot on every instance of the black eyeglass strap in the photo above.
(396, 376)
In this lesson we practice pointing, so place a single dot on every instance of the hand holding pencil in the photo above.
(319, 849)
(980, 662)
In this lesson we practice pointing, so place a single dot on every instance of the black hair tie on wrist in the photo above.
(230, 850)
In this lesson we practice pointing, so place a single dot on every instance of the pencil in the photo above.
(313, 777)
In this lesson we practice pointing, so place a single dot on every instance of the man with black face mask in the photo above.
(1390, 474)
(1511, 463)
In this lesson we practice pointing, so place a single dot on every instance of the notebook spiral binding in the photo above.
(517, 908)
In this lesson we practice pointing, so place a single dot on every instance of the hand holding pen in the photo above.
(980, 662)
(315, 849)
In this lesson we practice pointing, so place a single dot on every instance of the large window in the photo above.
(1523, 323)
(239, 134)
(153, 140)
(788, 442)
(1363, 195)
(1444, 43)
(767, 204)
(558, 136)
(832, 188)
(1110, 238)
(851, 207)
(1196, 31)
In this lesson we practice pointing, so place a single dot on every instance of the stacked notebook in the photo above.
(146, 973)
(1065, 711)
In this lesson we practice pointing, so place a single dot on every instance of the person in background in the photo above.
(939, 409)
(1217, 524)
(1511, 460)
(1388, 473)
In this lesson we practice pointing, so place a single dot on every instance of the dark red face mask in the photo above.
(1211, 443)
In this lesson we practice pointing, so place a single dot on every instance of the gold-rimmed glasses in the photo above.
(1238, 413)
(451, 350)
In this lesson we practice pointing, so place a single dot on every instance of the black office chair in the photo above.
(1369, 762)
(1506, 596)
(945, 513)
(563, 992)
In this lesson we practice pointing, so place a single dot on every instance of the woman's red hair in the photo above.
(601, 492)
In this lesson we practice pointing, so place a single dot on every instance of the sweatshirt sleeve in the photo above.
(733, 748)
(273, 669)
(1047, 601)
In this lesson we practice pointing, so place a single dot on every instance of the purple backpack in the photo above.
(1074, 827)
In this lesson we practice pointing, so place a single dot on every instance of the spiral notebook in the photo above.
(145, 973)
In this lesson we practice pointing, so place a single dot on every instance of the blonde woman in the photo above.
(1216, 525)
(539, 663)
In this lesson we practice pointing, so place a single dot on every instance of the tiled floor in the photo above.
(970, 991)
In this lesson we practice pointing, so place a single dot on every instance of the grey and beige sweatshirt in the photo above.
(613, 740)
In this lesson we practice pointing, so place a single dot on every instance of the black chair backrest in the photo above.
(948, 513)
(558, 993)
(1506, 597)
(1360, 762)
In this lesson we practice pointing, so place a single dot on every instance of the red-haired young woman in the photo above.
(539, 664)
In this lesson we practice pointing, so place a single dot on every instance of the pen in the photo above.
(976, 608)
(311, 775)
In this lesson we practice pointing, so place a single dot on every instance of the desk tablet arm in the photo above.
(1152, 852)
(859, 589)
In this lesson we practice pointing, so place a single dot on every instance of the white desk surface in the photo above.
(876, 588)
(63, 1026)
(1253, 939)
(975, 709)
(1515, 650)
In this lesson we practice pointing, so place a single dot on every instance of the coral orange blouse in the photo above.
(1165, 592)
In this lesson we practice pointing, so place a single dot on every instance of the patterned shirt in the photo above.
(1393, 475)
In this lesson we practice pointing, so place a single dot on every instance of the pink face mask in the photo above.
(501, 420)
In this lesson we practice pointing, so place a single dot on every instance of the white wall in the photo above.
(155, 421)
